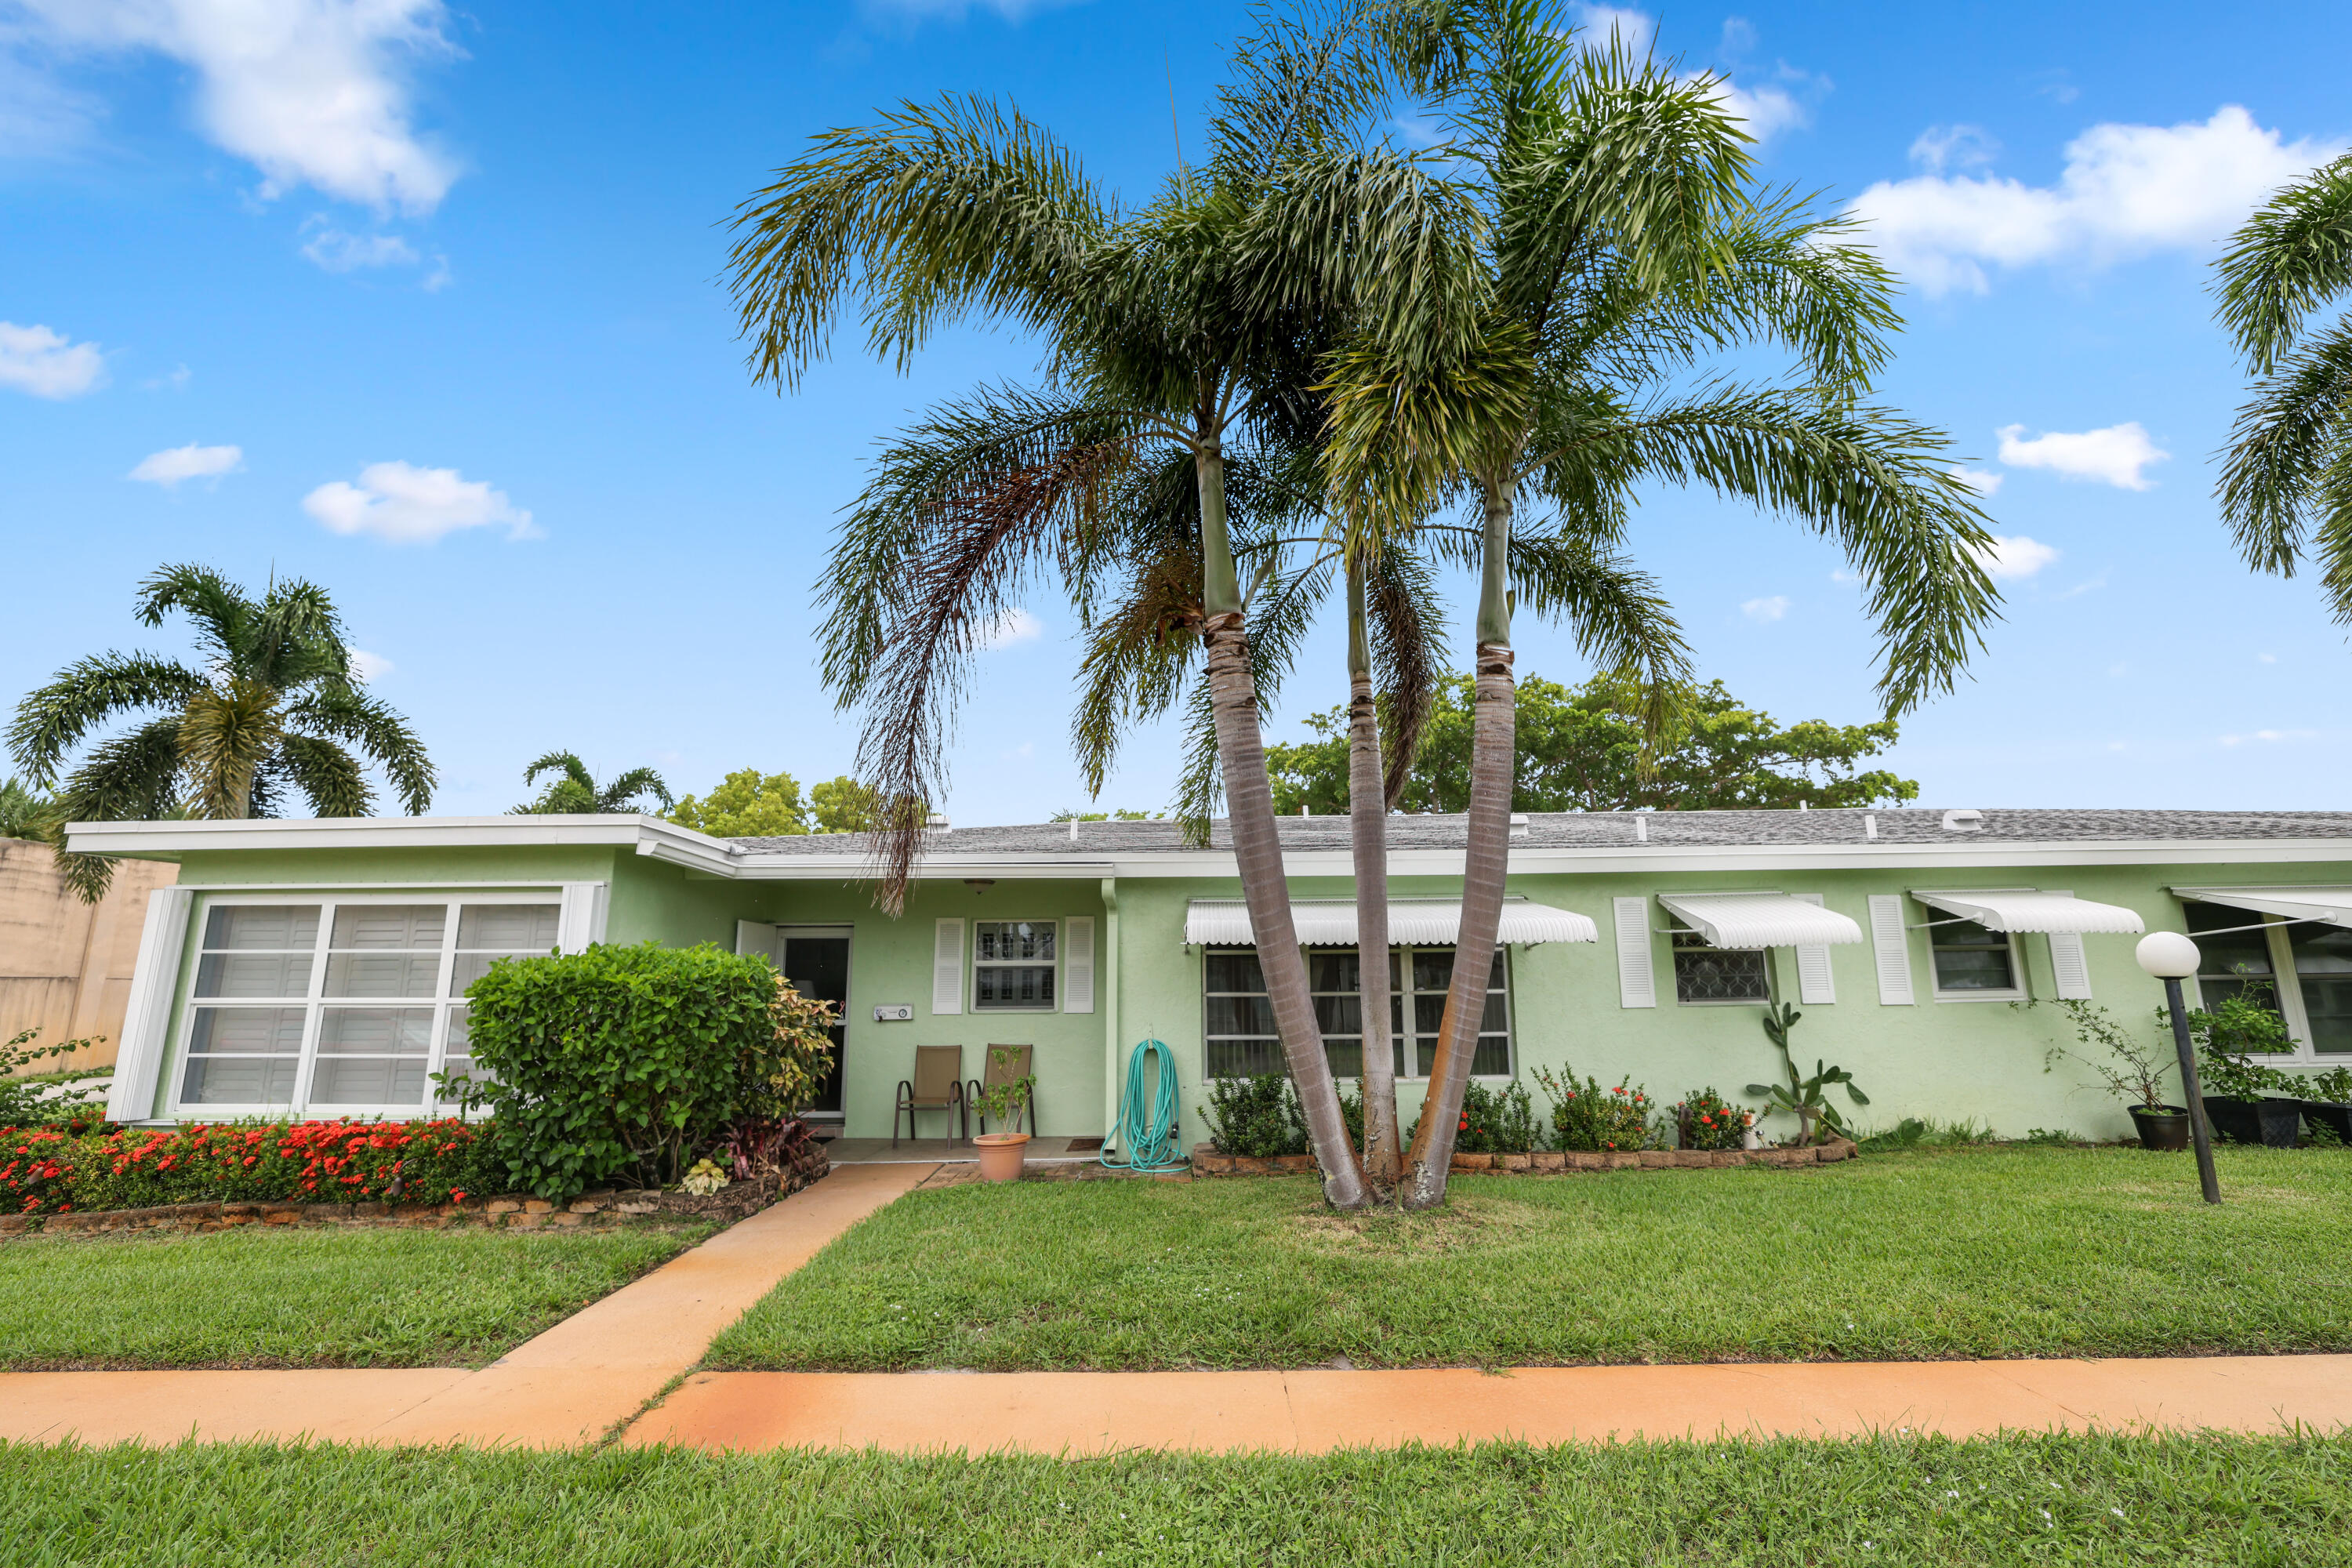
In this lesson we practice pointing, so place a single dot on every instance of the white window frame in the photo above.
(1402, 993)
(2287, 983)
(1678, 929)
(2020, 987)
(315, 1001)
(975, 963)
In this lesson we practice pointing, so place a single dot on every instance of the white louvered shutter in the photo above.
(1815, 983)
(1637, 980)
(1078, 964)
(2067, 964)
(757, 936)
(1890, 942)
(946, 969)
(580, 918)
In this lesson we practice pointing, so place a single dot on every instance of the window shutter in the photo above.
(1890, 940)
(946, 969)
(147, 1017)
(1637, 980)
(1815, 983)
(1078, 964)
(760, 937)
(581, 917)
(2067, 964)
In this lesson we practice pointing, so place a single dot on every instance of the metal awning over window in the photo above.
(1412, 922)
(2332, 906)
(1760, 920)
(2054, 912)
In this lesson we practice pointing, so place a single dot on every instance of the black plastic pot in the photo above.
(2271, 1121)
(2335, 1118)
(2165, 1128)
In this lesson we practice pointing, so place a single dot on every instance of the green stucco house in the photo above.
(319, 968)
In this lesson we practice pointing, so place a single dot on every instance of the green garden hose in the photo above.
(1141, 1144)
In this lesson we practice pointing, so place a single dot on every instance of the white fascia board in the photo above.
(170, 840)
(931, 868)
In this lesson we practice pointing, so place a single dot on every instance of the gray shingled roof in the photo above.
(1598, 829)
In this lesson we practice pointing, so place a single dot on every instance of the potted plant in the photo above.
(2331, 1107)
(1806, 1098)
(2244, 1100)
(2132, 1070)
(1002, 1153)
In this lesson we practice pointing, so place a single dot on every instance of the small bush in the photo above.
(1496, 1121)
(624, 1065)
(52, 1169)
(1257, 1118)
(1585, 1116)
(49, 1098)
(1705, 1119)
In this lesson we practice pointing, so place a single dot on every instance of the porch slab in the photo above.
(1318, 1411)
(941, 1152)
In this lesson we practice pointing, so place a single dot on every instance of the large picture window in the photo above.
(346, 1005)
(1243, 1042)
(2300, 970)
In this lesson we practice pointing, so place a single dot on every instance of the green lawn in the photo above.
(1991, 1252)
(306, 1297)
(2126, 1502)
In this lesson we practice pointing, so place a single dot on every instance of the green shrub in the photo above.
(1257, 1118)
(53, 1170)
(1705, 1119)
(47, 1098)
(1496, 1121)
(1586, 1116)
(622, 1065)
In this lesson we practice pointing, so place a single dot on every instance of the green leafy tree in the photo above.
(842, 805)
(747, 804)
(1589, 748)
(573, 792)
(270, 710)
(2286, 478)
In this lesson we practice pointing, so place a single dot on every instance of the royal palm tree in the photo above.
(2286, 480)
(573, 792)
(1619, 241)
(271, 711)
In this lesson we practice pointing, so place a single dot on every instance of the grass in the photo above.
(1959, 1252)
(306, 1297)
(2102, 1499)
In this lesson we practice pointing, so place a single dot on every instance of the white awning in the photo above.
(1331, 922)
(2053, 913)
(1760, 920)
(2331, 905)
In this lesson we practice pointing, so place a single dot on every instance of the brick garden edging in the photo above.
(1206, 1162)
(733, 1201)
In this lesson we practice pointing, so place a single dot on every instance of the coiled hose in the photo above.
(1147, 1144)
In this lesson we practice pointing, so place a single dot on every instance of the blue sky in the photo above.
(422, 302)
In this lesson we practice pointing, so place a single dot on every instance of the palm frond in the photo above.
(2288, 259)
(334, 710)
(329, 777)
(53, 720)
(1405, 622)
(2294, 432)
(226, 733)
(624, 792)
(221, 612)
(131, 777)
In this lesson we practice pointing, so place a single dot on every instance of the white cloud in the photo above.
(956, 10)
(2126, 190)
(312, 92)
(2015, 558)
(42, 362)
(1771, 609)
(367, 667)
(337, 251)
(1013, 626)
(2272, 736)
(1984, 482)
(2088, 585)
(1953, 146)
(173, 464)
(1768, 110)
(2112, 455)
(407, 505)
(175, 381)
(2267, 657)
(1634, 29)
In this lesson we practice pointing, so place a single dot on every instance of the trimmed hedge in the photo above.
(60, 1169)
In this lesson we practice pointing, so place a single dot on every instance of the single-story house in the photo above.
(318, 967)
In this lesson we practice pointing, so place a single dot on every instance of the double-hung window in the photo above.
(344, 1006)
(1012, 966)
(1973, 962)
(1243, 1041)
(1705, 975)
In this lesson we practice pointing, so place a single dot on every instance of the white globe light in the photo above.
(2167, 954)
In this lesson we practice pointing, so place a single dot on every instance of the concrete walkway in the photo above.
(1312, 1412)
(572, 1385)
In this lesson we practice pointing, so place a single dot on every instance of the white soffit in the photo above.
(1331, 922)
(2333, 905)
(1760, 920)
(2057, 913)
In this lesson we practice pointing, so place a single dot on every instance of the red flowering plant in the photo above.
(1586, 1116)
(1496, 1121)
(47, 1171)
(1705, 1119)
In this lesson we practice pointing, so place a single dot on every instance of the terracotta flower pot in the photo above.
(1001, 1154)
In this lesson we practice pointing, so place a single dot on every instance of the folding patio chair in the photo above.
(937, 1086)
(1006, 1064)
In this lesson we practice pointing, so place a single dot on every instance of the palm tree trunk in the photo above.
(1369, 827)
(1258, 850)
(1485, 867)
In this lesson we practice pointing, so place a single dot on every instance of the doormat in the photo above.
(1085, 1145)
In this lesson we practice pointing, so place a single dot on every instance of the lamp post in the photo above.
(2172, 958)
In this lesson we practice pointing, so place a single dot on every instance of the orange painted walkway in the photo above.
(1315, 1411)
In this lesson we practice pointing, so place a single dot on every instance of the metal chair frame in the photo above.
(935, 1093)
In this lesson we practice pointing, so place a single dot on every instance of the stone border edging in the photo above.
(736, 1201)
(1206, 1162)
